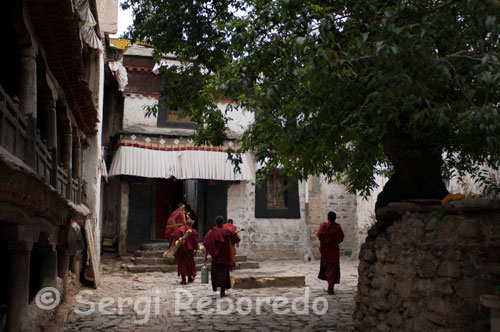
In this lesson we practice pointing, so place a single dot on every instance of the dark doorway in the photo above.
(4, 282)
(140, 215)
(169, 193)
(214, 200)
(35, 282)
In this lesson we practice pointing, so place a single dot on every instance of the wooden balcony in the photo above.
(33, 151)
(13, 127)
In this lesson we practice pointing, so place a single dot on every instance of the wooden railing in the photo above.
(15, 138)
(13, 126)
(76, 191)
(43, 160)
(62, 181)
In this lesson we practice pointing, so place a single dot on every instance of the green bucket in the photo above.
(204, 274)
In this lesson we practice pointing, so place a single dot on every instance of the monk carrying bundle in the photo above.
(232, 251)
(186, 266)
(174, 221)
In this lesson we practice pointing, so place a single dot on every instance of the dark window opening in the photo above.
(277, 198)
(4, 277)
(171, 118)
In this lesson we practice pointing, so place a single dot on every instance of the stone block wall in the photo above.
(266, 238)
(325, 197)
(423, 267)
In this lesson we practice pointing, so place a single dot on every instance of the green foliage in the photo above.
(329, 81)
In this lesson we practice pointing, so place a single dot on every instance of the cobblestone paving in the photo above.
(154, 297)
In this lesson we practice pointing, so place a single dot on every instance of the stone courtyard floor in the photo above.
(156, 301)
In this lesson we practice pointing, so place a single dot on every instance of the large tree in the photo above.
(341, 88)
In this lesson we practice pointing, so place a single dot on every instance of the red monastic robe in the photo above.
(232, 249)
(330, 235)
(174, 221)
(217, 242)
(186, 265)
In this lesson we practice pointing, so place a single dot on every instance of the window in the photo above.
(275, 197)
(272, 202)
(172, 118)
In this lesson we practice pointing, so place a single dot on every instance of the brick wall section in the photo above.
(423, 267)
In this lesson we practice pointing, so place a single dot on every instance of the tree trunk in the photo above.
(417, 173)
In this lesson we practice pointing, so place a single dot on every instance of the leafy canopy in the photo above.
(330, 81)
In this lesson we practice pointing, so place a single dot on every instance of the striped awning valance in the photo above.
(181, 163)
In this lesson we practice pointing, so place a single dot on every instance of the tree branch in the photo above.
(465, 55)
(438, 8)
(356, 59)
(458, 82)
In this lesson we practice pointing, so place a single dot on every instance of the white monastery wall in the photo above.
(133, 111)
(266, 238)
(325, 197)
(239, 119)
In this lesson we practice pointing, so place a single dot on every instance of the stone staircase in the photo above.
(149, 258)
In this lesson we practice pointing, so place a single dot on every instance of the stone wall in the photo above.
(423, 267)
(266, 238)
(277, 238)
(325, 197)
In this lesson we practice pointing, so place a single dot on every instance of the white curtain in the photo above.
(210, 165)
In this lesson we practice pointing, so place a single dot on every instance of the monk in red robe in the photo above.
(330, 235)
(186, 266)
(217, 242)
(232, 255)
(174, 221)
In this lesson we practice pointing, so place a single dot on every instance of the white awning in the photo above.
(182, 164)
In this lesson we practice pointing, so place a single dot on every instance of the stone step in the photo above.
(144, 260)
(173, 268)
(149, 253)
(157, 248)
(154, 246)
(259, 279)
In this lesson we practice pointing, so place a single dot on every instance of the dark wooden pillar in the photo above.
(67, 158)
(62, 268)
(27, 88)
(19, 274)
(28, 100)
(77, 150)
(52, 132)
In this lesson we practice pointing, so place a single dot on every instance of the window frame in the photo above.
(163, 114)
(292, 202)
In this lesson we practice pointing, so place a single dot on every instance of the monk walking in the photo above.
(330, 235)
(217, 242)
(186, 266)
(232, 251)
(174, 221)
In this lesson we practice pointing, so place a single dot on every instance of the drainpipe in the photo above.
(308, 254)
(306, 198)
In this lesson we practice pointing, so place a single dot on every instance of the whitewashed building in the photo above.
(155, 165)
